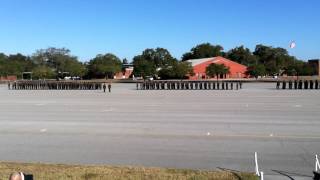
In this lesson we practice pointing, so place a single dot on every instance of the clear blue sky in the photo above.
(127, 27)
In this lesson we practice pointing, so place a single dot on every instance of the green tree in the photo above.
(242, 55)
(60, 60)
(204, 50)
(256, 70)
(152, 60)
(14, 64)
(23, 63)
(143, 67)
(105, 66)
(275, 60)
(75, 68)
(160, 57)
(182, 69)
(52, 57)
(217, 70)
(167, 73)
(179, 70)
(3, 62)
(303, 69)
(43, 72)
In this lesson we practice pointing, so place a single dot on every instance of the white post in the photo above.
(261, 177)
(256, 164)
(317, 164)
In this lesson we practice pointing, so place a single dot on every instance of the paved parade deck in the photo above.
(183, 128)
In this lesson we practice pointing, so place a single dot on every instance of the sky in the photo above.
(127, 27)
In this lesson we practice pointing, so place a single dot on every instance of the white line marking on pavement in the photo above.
(108, 110)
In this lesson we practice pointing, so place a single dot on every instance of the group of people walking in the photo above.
(153, 85)
(189, 85)
(298, 84)
(54, 85)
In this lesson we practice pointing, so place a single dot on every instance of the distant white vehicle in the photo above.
(75, 78)
(72, 78)
(150, 78)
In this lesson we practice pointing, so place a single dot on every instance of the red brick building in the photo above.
(8, 78)
(126, 72)
(199, 67)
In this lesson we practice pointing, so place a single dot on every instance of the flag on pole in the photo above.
(292, 44)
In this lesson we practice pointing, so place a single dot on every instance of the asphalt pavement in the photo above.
(198, 129)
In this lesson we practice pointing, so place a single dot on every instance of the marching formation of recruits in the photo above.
(189, 85)
(55, 85)
(298, 84)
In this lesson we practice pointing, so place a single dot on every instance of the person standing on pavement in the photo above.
(104, 87)
(109, 86)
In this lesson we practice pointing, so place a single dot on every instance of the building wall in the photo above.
(316, 64)
(236, 70)
(200, 70)
(124, 74)
(8, 78)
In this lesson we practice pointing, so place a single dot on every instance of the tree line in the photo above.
(263, 61)
(53, 63)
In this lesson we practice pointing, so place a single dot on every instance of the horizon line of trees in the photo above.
(54, 62)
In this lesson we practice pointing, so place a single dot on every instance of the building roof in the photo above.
(195, 62)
